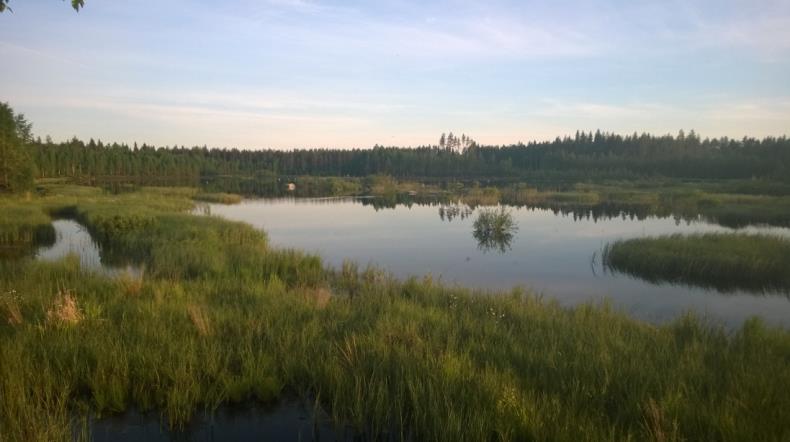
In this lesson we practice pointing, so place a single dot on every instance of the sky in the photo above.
(289, 74)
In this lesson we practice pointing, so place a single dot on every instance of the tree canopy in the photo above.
(585, 156)
(16, 165)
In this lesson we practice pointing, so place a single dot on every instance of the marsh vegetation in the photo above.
(726, 262)
(402, 358)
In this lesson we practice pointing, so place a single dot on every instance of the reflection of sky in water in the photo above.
(550, 253)
(73, 239)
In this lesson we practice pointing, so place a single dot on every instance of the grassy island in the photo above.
(725, 261)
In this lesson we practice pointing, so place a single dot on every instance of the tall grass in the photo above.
(22, 229)
(400, 359)
(725, 261)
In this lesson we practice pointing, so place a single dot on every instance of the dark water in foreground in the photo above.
(288, 421)
(554, 254)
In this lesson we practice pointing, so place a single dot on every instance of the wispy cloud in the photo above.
(284, 73)
(729, 116)
(19, 53)
(420, 34)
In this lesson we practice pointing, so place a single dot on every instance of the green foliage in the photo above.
(16, 165)
(724, 261)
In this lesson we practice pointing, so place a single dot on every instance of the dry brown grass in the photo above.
(64, 311)
(9, 303)
(319, 297)
(131, 284)
(200, 319)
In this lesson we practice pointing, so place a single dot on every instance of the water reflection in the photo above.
(551, 252)
(449, 212)
(494, 230)
(288, 421)
(734, 218)
(71, 238)
(25, 240)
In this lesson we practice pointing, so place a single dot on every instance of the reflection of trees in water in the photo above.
(405, 200)
(494, 229)
(450, 208)
(25, 239)
(449, 212)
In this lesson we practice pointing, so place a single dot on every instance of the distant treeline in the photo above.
(586, 155)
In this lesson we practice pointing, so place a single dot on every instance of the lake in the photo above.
(555, 254)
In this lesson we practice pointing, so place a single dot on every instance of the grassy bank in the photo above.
(221, 317)
(218, 197)
(726, 261)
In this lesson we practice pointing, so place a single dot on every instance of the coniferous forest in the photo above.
(583, 156)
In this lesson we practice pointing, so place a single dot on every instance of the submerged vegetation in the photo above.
(725, 261)
(221, 317)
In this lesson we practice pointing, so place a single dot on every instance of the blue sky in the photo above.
(302, 73)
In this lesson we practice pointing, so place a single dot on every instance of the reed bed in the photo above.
(725, 261)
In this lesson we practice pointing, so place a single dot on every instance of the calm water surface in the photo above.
(73, 239)
(288, 421)
(550, 253)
